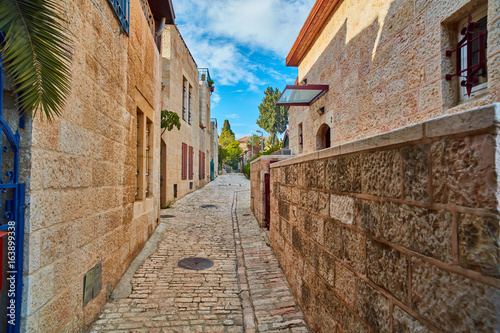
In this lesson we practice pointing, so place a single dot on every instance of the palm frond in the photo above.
(35, 54)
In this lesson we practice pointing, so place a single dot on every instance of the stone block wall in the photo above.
(178, 64)
(395, 233)
(82, 204)
(384, 62)
(258, 168)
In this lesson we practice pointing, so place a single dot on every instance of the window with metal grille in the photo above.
(301, 142)
(185, 87)
(121, 8)
(190, 105)
(470, 55)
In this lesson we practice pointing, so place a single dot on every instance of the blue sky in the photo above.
(244, 43)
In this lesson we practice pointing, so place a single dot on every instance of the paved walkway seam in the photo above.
(249, 319)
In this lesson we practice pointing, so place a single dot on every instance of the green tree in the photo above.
(229, 148)
(226, 135)
(253, 140)
(233, 152)
(36, 54)
(169, 119)
(273, 119)
(227, 127)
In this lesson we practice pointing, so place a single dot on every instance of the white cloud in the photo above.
(219, 34)
(215, 99)
(232, 116)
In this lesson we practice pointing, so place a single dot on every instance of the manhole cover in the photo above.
(166, 216)
(195, 264)
(208, 206)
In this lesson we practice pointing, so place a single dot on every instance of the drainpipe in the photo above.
(162, 27)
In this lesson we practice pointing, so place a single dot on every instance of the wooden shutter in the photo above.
(184, 161)
(191, 158)
(203, 166)
(200, 164)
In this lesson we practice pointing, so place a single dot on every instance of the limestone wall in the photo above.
(397, 232)
(258, 168)
(83, 170)
(178, 64)
(385, 64)
(214, 148)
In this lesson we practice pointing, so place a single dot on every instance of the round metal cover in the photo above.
(208, 206)
(166, 216)
(195, 264)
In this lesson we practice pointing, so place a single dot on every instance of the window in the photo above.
(470, 53)
(149, 157)
(301, 140)
(144, 182)
(323, 138)
(185, 90)
(121, 8)
(190, 105)
(184, 162)
(187, 101)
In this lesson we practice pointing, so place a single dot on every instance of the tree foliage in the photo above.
(227, 127)
(254, 140)
(226, 135)
(229, 148)
(169, 119)
(273, 119)
(36, 53)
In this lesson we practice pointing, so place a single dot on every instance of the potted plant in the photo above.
(210, 82)
(211, 89)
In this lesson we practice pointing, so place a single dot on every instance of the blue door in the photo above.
(212, 170)
(12, 207)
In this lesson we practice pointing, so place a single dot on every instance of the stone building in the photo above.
(214, 149)
(92, 175)
(388, 219)
(186, 153)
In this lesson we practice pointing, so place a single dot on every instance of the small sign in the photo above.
(92, 283)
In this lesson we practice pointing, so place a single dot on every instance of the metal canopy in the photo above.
(301, 95)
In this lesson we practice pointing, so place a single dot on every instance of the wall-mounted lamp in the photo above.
(321, 110)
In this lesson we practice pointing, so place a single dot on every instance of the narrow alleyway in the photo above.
(244, 290)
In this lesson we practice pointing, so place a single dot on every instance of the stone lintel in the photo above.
(271, 158)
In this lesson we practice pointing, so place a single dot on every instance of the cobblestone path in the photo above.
(244, 291)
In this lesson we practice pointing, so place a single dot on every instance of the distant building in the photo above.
(92, 175)
(186, 153)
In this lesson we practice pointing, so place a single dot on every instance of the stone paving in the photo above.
(244, 291)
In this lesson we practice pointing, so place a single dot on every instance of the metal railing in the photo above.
(206, 73)
(122, 12)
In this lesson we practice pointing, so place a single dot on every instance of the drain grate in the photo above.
(195, 264)
(208, 206)
(246, 214)
(167, 216)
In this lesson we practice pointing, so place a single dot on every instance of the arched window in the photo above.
(323, 138)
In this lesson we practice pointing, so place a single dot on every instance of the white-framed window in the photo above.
(144, 180)
(480, 16)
